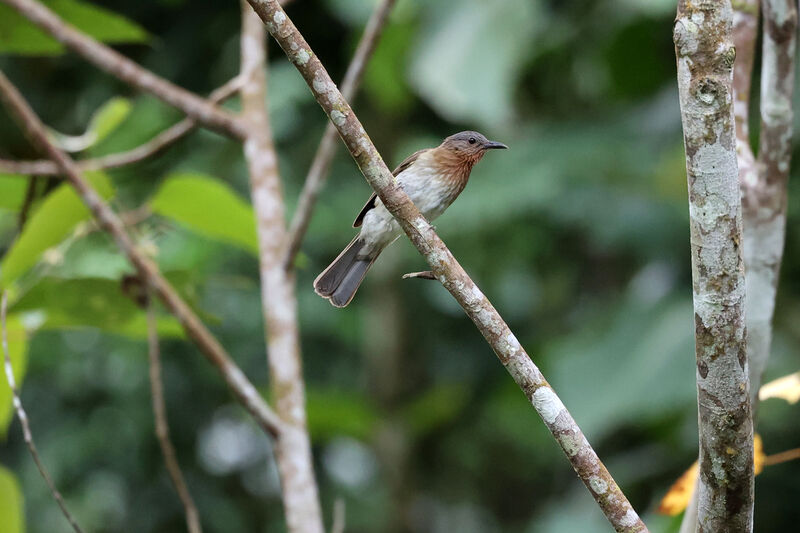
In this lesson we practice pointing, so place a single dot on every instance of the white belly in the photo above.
(429, 192)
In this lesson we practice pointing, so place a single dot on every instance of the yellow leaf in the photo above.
(787, 388)
(679, 494)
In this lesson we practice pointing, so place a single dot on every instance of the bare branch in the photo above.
(339, 516)
(558, 420)
(162, 426)
(107, 59)
(278, 298)
(705, 57)
(162, 141)
(425, 274)
(23, 420)
(243, 390)
(764, 192)
(321, 164)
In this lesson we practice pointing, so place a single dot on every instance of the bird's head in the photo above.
(470, 144)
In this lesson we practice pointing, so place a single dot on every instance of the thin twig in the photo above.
(23, 420)
(339, 516)
(243, 390)
(558, 420)
(162, 141)
(162, 426)
(425, 274)
(782, 457)
(321, 164)
(278, 298)
(114, 63)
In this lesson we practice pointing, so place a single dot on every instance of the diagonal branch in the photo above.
(243, 390)
(162, 426)
(23, 420)
(321, 164)
(162, 141)
(111, 61)
(278, 299)
(512, 355)
(705, 58)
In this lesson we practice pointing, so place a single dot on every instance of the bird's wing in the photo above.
(407, 162)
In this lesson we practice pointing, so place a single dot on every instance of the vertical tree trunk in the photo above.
(705, 57)
(293, 447)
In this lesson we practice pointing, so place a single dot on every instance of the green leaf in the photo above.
(336, 412)
(90, 302)
(52, 222)
(209, 207)
(18, 36)
(18, 350)
(465, 68)
(104, 121)
(12, 191)
(12, 507)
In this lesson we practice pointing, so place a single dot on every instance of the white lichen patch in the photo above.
(338, 117)
(570, 445)
(279, 17)
(547, 404)
(630, 519)
(598, 485)
(302, 57)
(512, 344)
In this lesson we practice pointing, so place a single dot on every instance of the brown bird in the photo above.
(432, 178)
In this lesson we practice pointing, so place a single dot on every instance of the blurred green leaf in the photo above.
(12, 508)
(209, 207)
(18, 350)
(626, 364)
(104, 121)
(18, 36)
(465, 68)
(97, 303)
(12, 191)
(336, 412)
(52, 222)
(435, 407)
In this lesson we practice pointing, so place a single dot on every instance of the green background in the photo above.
(578, 234)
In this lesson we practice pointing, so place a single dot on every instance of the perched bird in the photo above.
(432, 178)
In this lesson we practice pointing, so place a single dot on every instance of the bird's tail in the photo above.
(340, 281)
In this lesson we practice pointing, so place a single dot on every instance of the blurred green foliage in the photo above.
(578, 234)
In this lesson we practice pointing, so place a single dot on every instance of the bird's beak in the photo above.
(491, 145)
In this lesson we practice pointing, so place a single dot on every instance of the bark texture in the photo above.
(764, 180)
(279, 302)
(705, 57)
(446, 268)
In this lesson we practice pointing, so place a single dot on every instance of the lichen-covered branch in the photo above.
(107, 59)
(162, 425)
(162, 141)
(446, 268)
(764, 189)
(243, 390)
(23, 419)
(705, 56)
(279, 302)
(321, 163)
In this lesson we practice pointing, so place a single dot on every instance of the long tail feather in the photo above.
(340, 281)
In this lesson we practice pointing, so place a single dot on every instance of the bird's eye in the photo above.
(471, 140)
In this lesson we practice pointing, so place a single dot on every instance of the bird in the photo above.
(433, 178)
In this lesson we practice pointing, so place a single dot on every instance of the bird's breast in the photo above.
(432, 189)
